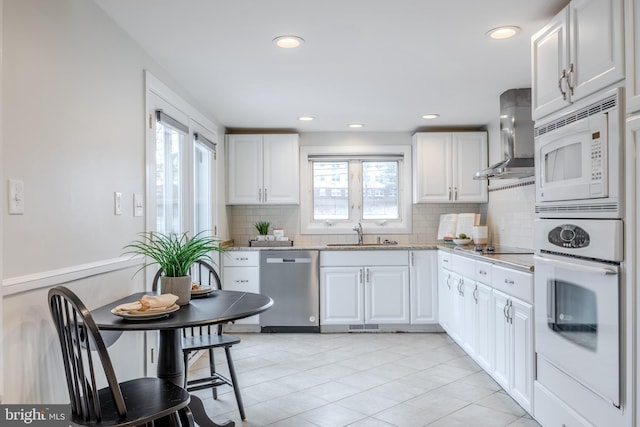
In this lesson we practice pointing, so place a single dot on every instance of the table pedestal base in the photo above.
(171, 367)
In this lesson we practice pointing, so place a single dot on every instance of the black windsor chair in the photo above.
(208, 338)
(135, 402)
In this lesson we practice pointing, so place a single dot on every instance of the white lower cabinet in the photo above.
(354, 293)
(423, 285)
(513, 329)
(241, 272)
(483, 327)
(488, 312)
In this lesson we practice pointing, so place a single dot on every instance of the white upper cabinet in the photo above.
(263, 169)
(444, 164)
(578, 53)
(632, 25)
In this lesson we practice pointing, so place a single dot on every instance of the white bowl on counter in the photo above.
(461, 242)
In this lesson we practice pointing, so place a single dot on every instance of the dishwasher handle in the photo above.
(288, 260)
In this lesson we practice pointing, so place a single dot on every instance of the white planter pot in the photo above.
(178, 286)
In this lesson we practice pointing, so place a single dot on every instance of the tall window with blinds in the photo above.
(170, 136)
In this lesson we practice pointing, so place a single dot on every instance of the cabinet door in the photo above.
(244, 169)
(467, 327)
(457, 308)
(387, 295)
(549, 56)
(432, 177)
(281, 170)
(469, 156)
(632, 44)
(245, 279)
(596, 45)
(423, 282)
(484, 327)
(445, 298)
(341, 295)
(522, 357)
(502, 335)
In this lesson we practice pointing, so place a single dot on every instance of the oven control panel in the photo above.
(569, 236)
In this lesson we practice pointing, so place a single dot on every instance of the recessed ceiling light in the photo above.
(356, 125)
(306, 118)
(431, 116)
(500, 33)
(288, 41)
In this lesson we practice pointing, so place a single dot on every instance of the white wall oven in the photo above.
(578, 243)
(578, 157)
(577, 291)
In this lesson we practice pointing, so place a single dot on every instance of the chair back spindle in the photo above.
(78, 335)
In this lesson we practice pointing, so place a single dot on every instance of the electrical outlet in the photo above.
(138, 205)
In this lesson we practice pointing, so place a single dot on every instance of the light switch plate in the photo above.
(117, 203)
(138, 205)
(16, 197)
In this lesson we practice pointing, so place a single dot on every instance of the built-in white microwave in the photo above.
(578, 161)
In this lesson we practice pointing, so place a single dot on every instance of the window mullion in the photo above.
(355, 190)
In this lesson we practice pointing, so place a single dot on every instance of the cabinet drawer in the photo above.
(513, 282)
(483, 272)
(444, 259)
(241, 259)
(464, 266)
(359, 257)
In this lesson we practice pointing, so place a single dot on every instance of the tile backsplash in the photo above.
(509, 215)
(426, 218)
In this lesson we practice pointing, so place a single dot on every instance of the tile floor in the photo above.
(365, 379)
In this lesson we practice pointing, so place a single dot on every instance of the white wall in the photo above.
(73, 133)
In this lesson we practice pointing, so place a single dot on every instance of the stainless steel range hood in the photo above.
(516, 134)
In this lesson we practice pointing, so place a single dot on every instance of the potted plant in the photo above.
(263, 229)
(174, 254)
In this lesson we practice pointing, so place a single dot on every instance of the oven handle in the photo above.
(551, 303)
(579, 267)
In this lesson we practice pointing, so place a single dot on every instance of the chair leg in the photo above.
(185, 356)
(234, 380)
(212, 372)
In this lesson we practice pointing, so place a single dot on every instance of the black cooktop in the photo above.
(494, 250)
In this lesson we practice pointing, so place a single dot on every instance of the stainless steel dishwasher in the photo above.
(290, 278)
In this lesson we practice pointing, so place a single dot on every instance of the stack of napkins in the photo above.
(148, 304)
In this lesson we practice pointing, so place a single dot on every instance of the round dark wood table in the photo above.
(221, 307)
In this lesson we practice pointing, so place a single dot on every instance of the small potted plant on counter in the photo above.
(174, 254)
(263, 229)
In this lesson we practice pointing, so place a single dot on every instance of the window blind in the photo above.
(205, 141)
(170, 121)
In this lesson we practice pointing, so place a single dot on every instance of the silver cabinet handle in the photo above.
(265, 195)
(504, 310)
(449, 282)
(568, 78)
(241, 281)
(509, 281)
(563, 76)
(241, 259)
(413, 258)
(449, 193)
(482, 272)
(475, 294)
(455, 193)
(360, 275)
(368, 275)
(260, 194)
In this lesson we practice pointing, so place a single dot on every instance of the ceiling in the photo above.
(383, 63)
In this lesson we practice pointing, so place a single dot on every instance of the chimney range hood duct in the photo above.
(516, 135)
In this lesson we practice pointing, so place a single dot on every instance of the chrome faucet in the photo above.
(358, 229)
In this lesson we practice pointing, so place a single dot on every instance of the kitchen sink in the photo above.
(355, 245)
